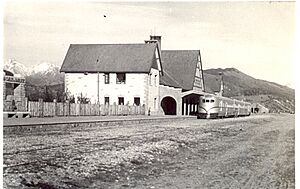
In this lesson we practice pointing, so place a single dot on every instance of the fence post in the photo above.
(41, 108)
(63, 108)
(26, 104)
(80, 109)
(143, 110)
(67, 107)
(55, 107)
(99, 108)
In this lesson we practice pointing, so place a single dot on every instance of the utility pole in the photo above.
(222, 84)
(98, 99)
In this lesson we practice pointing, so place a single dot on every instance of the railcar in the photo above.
(213, 106)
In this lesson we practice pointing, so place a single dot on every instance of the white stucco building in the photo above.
(166, 82)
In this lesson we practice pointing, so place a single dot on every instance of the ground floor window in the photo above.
(121, 100)
(137, 101)
(106, 100)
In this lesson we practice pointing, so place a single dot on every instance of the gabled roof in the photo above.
(179, 68)
(130, 58)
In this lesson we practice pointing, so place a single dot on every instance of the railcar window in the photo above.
(207, 100)
(212, 100)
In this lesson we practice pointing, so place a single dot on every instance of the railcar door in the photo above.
(221, 108)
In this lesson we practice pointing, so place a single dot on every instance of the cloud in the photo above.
(229, 34)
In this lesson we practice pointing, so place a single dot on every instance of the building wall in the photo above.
(175, 93)
(87, 85)
(198, 82)
(152, 92)
(136, 85)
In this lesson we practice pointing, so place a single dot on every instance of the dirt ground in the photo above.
(247, 152)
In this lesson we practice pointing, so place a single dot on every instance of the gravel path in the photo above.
(248, 152)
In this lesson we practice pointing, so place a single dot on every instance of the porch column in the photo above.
(184, 106)
(188, 107)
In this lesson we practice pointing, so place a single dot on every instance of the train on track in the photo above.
(214, 106)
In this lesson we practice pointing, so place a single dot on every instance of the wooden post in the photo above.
(26, 104)
(144, 109)
(67, 107)
(55, 107)
(41, 108)
(99, 109)
(113, 110)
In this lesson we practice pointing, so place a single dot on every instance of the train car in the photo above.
(213, 106)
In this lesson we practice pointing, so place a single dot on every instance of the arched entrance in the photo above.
(168, 104)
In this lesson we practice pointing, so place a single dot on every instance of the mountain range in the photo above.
(241, 86)
(39, 75)
(42, 81)
(45, 81)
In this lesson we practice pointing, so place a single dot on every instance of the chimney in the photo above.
(155, 39)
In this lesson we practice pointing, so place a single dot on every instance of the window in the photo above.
(121, 77)
(203, 100)
(121, 100)
(155, 80)
(207, 100)
(212, 100)
(106, 78)
(137, 101)
(154, 105)
(106, 100)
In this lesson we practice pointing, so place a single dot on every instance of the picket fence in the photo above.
(49, 109)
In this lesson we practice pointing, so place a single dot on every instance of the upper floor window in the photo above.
(150, 79)
(155, 80)
(106, 78)
(121, 78)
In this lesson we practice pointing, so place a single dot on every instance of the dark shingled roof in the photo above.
(179, 68)
(132, 58)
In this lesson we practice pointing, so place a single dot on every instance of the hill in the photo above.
(242, 86)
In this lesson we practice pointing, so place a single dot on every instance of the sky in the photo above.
(258, 38)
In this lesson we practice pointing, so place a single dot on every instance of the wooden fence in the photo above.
(49, 109)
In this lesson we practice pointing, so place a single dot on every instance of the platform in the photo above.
(87, 119)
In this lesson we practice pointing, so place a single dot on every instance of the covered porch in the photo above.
(190, 102)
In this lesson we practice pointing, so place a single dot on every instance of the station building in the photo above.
(164, 81)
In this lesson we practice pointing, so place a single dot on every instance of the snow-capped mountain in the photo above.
(44, 68)
(16, 67)
(19, 68)
(41, 74)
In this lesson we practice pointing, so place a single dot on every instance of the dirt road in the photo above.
(248, 152)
